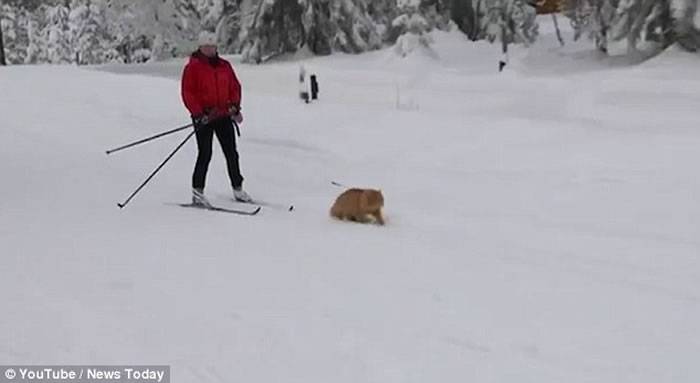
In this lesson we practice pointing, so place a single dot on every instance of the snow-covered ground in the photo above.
(542, 223)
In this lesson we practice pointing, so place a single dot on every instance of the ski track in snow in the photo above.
(542, 224)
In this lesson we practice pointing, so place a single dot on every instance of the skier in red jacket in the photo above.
(212, 94)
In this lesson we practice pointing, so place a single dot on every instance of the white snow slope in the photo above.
(542, 225)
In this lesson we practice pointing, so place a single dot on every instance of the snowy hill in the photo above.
(542, 225)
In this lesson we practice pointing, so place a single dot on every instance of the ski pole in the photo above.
(150, 138)
(122, 205)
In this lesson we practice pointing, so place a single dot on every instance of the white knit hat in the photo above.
(206, 38)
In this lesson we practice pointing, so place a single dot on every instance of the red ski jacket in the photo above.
(210, 84)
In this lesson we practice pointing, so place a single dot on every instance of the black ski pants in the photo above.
(223, 128)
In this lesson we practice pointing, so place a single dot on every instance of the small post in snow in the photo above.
(303, 88)
(314, 87)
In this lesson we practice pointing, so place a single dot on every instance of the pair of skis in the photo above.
(256, 207)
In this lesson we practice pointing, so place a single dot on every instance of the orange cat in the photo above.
(359, 205)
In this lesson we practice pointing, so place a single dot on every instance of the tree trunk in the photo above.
(556, 26)
(687, 35)
(477, 25)
(2, 49)
(601, 41)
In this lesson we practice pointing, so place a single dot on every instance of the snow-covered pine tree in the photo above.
(208, 12)
(228, 26)
(636, 20)
(591, 17)
(30, 5)
(355, 29)
(173, 30)
(57, 34)
(382, 13)
(348, 26)
(436, 13)
(467, 14)
(132, 27)
(412, 28)
(660, 27)
(318, 28)
(283, 26)
(14, 20)
(275, 29)
(121, 30)
(685, 29)
(661, 21)
(8, 31)
(90, 40)
(152, 30)
(187, 18)
(37, 50)
(3, 61)
(510, 22)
